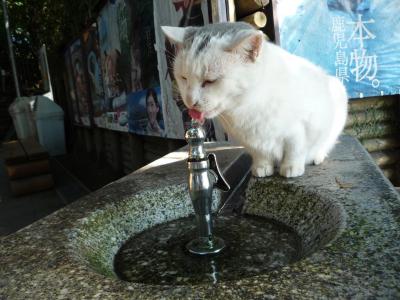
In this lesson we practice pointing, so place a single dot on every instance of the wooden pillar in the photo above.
(247, 7)
(257, 19)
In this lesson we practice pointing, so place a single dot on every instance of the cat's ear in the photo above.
(175, 35)
(247, 43)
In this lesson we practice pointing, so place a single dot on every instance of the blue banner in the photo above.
(356, 41)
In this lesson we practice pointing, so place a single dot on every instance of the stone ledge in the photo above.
(362, 262)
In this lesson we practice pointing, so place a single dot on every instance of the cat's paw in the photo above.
(319, 159)
(262, 171)
(292, 170)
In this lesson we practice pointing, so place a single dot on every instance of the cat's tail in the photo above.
(339, 98)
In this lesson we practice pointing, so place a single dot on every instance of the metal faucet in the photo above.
(204, 175)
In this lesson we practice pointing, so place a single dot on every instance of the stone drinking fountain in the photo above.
(332, 233)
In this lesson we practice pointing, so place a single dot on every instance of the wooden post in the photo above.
(257, 19)
(379, 144)
(370, 116)
(375, 131)
(386, 158)
(218, 11)
(247, 7)
(372, 103)
(231, 11)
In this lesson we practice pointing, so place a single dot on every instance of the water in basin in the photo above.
(255, 246)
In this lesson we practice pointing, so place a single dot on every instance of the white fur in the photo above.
(282, 108)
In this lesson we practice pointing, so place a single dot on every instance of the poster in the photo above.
(115, 64)
(144, 70)
(127, 55)
(80, 82)
(356, 41)
(145, 112)
(123, 68)
(91, 57)
(71, 87)
(178, 13)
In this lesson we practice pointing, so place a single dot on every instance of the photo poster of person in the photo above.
(178, 13)
(115, 64)
(356, 41)
(71, 87)
(144, 72)
(80, 82)
(91, 58)
(145, 112)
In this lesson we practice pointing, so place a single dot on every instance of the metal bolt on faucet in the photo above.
(204, 175)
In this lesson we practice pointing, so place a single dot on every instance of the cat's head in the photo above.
(212, 64)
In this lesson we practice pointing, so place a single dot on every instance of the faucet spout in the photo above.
(204, 175)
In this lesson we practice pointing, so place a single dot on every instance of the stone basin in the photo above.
(312, 219)
(344, 213)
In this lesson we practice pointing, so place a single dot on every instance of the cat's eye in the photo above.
(208, 82)
(183, 78)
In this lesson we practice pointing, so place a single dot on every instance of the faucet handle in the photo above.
(220, 182)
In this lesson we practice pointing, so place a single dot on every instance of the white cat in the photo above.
(282, 108)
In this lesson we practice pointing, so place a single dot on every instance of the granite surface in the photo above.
(353, 249)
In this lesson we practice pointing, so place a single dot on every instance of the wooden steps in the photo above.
(27, 166)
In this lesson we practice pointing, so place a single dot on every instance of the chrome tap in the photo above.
(204, 175)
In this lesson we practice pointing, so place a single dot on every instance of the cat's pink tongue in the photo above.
(196, 115)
